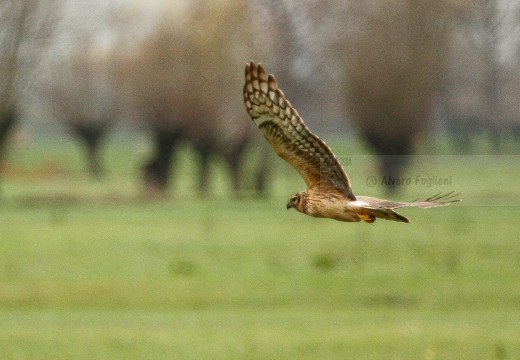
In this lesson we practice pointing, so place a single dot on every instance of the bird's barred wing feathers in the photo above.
(288, 135)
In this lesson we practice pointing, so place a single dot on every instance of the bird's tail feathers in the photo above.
(369, 214)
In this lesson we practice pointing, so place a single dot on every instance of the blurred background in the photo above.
(142, 213)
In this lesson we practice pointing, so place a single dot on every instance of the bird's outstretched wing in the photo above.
(288, 135)
(437, 200)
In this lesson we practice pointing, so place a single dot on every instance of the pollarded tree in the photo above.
(25, 31)
(395, 65)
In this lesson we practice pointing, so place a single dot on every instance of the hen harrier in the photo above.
(329, 193)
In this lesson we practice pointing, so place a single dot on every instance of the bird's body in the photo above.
(328, 194)
(326, 205)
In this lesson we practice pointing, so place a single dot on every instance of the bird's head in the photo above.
(296, 201)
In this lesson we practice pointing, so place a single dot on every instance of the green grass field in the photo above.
(91, 270)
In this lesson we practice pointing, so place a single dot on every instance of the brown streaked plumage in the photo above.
(328, 193)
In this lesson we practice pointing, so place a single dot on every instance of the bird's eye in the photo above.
(293, 199)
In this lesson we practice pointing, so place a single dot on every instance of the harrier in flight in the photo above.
(328, 193)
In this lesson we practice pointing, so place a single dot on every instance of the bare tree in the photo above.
(185, 81)
(395, 65)
(487, 43)
(81, 94)
(25, 31)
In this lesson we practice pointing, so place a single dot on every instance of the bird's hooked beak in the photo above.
(291, 203)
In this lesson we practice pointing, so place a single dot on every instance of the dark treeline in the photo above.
(389, 72)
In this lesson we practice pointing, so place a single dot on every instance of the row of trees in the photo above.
(175, 69)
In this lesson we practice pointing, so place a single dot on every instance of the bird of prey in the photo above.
(328, 194)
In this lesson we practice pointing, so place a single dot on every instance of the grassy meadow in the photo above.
(94, 270)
